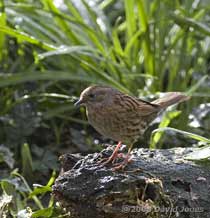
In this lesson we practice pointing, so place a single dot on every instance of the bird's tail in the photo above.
(170, 98)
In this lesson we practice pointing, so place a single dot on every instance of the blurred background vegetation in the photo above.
(52, 49)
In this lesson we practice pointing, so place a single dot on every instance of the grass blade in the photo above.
(188, 134)
(25, 37)
(2, 23)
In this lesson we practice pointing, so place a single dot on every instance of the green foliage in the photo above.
(27, 166)
(149, 39)
(169, 116)
(188, 134)
(202, 153)
(50, 52)
(17, 196)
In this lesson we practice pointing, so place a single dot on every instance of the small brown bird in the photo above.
(121, 117)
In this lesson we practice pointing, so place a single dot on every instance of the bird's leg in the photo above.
(119, 155)
(123, 164)
(114, 155)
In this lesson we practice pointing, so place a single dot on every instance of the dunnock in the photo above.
(121, 117)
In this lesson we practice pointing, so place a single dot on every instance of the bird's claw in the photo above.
(123, 164)
(111, 159)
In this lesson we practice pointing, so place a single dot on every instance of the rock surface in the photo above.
(157, 183)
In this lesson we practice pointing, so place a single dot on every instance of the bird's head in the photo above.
(95, 95)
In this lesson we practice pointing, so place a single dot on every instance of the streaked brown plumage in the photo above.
(119, 116)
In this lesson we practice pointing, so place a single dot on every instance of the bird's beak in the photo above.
(79, 103)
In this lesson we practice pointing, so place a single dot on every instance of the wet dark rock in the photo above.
(157, 183)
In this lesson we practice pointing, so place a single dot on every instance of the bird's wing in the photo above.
(147, 108)
(136, 106)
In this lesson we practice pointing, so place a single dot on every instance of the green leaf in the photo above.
(146, 41)
(168, 117)
(65, 28)
(197, 85)
(43, 213)
(189, 22)
(2, 35)
(27, 164)
(187, 134)
(68, 50)
(8, 187)
(130, 17)
(25, 37)
(40, 190)
(52, 179)
(117, 43)
(14, 79)
(36, 200)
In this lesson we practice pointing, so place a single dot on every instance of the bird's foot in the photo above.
(119, 155)
(113, 157)
(122, 165)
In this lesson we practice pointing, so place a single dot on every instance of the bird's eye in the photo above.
(91, 95)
